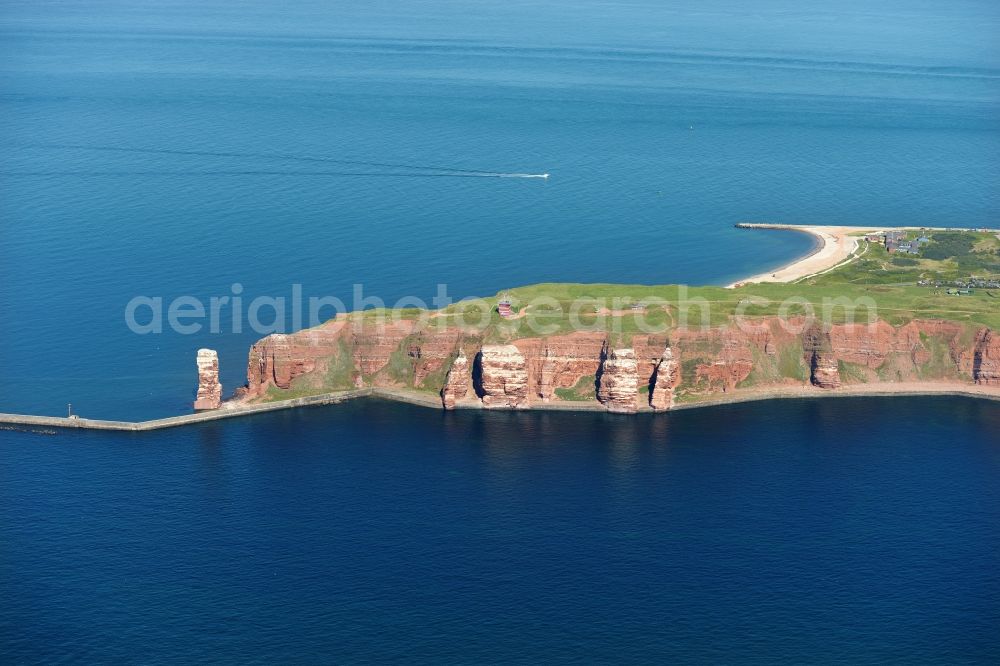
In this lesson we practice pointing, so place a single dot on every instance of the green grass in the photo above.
(339, 376)
(582, 390)
(791, 363)
(852, 373)
(434, 381)
(400, 367)
(874, 285)
(870, 283)
(763, 371)
(940, 364)
(888, 281)
(949, 256)
(274, 393)
(340, 373)
(945, 245)
(689, 376)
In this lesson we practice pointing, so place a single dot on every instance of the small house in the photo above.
(503, 307)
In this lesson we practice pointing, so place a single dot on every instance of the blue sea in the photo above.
(204, 149)
(845, 530)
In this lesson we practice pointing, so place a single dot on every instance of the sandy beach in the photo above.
(837, 244)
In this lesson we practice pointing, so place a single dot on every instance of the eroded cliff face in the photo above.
(817, 347)
(456, 384)
(986, 358)
(279, 359)
(906, 346)
(209, 389)
(342, 354)
(824, 370)
(575, 367)
(502, 376)
(917, 351)
(619, 382)
(665, 380)
(560, 361)
(723, 356)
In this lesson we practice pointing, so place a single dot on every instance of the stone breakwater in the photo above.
(588, 368)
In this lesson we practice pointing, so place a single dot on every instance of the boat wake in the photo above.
(246, 172)
(522, 175)
(397, 169)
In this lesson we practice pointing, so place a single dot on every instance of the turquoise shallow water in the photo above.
(178, 148)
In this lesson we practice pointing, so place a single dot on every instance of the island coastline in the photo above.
(423, 399)
(835, 247)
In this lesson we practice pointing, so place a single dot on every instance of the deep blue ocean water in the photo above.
(174, 149)
(843, 530)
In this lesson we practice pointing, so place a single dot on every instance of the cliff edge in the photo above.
(587, 368)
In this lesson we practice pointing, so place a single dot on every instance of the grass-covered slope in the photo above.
(874, 285)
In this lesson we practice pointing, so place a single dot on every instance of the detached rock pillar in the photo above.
(209, 389)
(668, 376)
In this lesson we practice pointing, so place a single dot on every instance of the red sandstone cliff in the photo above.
(503, 376)
(456, 384)
(345, 354)
(560, 361)
(824, 370)
(666, 379)
(619, 382)
(986, 358)
(817, 347)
